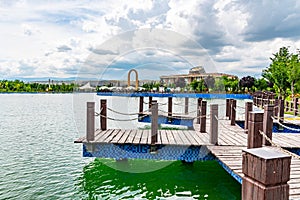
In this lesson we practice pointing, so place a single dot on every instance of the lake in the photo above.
(40, 161)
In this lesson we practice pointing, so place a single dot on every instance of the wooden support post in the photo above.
(199, 110)
(229, 111)
(103, 114)
(268, 123)
(233, 112)
(213, 139)
(255, 125)
(203, 117)
(248, 109)
(266, 173)
(295, 106)
(150, 102)
(186, 105)
(227, 107)
(141, 107)
(170, 109)
(281, 110)
(276, 107)
(90, 121)
(154, 122)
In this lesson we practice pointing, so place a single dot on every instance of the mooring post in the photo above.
(255, 125)
(199, 110)
(281, 110)
(150, 102)
(266, 173)
(186, 105)
(103, 114)
(295, 106)
(169, 109)
(286, 106)
(203, 117)
(141, 107)
(154, 122)
(90, 121)
(229, 110)
(276, 107)
(227, 107)
(268, 123)
(233, 112)
(213, 139)
(248, 109)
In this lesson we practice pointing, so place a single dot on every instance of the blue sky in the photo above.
(104, 39)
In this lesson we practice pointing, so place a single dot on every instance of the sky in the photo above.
(105, 39)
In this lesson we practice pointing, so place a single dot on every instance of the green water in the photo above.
(201, 180)
(38, 159)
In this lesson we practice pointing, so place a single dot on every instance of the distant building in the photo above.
(195, 73)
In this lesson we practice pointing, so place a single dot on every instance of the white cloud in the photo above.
(56, 38)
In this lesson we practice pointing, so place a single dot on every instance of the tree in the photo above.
(278, 73)
(293, 71)
(219, 85)
(198, 86)
(261, 84)
(247, 82)
(210, 82)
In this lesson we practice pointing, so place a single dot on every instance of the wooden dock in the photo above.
(232, 140)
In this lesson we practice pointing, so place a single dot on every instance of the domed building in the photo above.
(197, 70)
(195, 73)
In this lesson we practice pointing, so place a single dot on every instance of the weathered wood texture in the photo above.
(203, 117)
(233, 112)
(268, 123)
(154, 122)
(213, 139)
(248, 109)
(255, 125)
(103, 114)
(90, 121)
(266, 173)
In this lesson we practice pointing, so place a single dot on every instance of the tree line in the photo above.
(284, 72)
(21, 86)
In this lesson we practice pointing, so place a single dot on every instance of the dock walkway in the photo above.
(232, 139)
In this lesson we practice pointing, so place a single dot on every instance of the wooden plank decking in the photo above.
(228, 136)
(231, 156)
(231, 141)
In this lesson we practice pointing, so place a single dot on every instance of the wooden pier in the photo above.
(226, 143)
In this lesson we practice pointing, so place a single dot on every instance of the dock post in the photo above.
(150, 102)
(276, 106)
(295, 106)
(281, 110)
(203, 117)
(186, 105)
(255, 125)
(141, 107)
(199, 110)
(268, 123)
(103, 115)
(90, 121)
(229, 110)
(154, 122)
(227, 107)
(233, 112)
(248, 109)
(266, 173)
(213, 139)
(169, 109)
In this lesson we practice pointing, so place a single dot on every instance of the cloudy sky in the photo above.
(104, 39)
